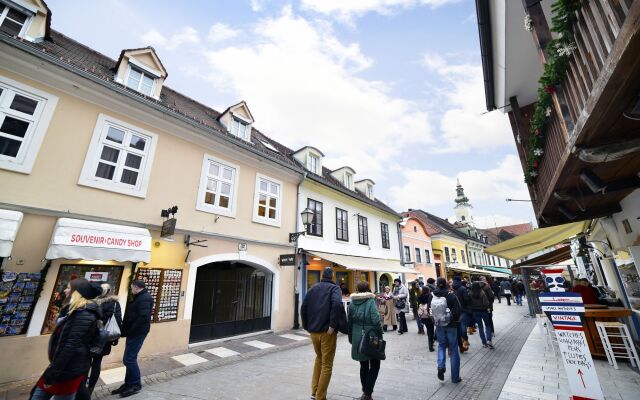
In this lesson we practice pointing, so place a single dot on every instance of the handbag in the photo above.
(371, 345)
(112, 327)
(507, 291)
(400, 303)
(99, 341)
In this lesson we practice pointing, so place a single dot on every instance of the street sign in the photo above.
(565, 311)
(287, 259)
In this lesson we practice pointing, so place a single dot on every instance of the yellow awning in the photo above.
(365, 263)
(536, 240)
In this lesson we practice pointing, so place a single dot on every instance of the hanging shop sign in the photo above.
(287, 259)
(168, 228)
(566, 311)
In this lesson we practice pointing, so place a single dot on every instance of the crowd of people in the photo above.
(82, 338)
(445, 311)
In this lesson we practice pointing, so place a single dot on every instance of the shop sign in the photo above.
(565, 311)
(168, 228)
(96, 276)
(95, 238)
(287, 259)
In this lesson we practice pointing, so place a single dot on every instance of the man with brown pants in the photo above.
(322, 314)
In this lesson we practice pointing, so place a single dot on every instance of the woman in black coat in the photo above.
(69, 347)
(425, 299)
(109, 306)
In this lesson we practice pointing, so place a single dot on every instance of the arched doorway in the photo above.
(230, 298)
(385, 280)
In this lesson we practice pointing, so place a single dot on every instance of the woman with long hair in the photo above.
(69, 345)
(109, 306)
(364, 319)
(424, 307)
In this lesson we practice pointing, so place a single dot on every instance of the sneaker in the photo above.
(490, 345)
(400, 332)
(441, 372)
(131, 390)
(119, 390)
(485, 345)
(457, 381)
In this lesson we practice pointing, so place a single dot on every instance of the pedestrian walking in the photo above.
(466, 319)
(505, 290)
(388, 308)
(135, 327)
(445, 309)
(432, 284)
(480, 306)
(491, 297)
(401, 298)
(495, 286)
(109, 307)
(424, 313)
(364, 319)
(321, 312)
(518, 291)
(414, 292)
(69, 359)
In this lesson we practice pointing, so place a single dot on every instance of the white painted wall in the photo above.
(630, 212)
(328, 242)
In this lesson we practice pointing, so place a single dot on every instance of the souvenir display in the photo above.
(68, 272)
(17, 295)
(164, 287)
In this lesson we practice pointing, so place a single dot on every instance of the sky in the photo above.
(391, 88)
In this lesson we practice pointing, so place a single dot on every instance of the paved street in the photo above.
(408, 373)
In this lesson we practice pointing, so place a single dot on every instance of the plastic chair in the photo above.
(626, 349)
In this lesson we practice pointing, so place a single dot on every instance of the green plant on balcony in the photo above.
(558, 53)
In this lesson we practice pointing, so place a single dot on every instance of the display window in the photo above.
(313, 277)
(164, 287)
(17, 297)
(631, 282)
(111, 274)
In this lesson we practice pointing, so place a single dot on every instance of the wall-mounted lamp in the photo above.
(169, 211)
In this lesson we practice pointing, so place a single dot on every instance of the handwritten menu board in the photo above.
(17, 295)
(164, 287)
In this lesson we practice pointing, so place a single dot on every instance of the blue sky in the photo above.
(392, 88)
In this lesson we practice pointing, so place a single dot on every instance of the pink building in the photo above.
(417, 250)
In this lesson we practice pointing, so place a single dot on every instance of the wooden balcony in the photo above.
(589, 114)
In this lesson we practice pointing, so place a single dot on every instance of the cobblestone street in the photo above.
(408, 373)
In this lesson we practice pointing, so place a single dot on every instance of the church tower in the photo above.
(463, 207)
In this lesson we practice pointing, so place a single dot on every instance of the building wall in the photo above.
(440, 242)
(414, 236)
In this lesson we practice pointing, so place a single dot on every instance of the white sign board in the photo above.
(96, 276)
(578, 364)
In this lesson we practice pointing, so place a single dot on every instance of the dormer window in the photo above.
(370, 191)
(314, 164)
(140, 81)
(12, 22)
(240, 129)
(348, 180)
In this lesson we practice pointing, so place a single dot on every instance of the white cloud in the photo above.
(220, 32)
(301, 84)
(491, 221)
(186, 35)
(428, 188)
(464, 127)
(347, 9)
(258, 5)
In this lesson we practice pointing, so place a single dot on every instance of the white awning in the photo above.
(87, 240)
(9, 224)
(462, 268)
(365, 263)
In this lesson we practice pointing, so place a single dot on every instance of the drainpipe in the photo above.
(296, 290)
(400, 247)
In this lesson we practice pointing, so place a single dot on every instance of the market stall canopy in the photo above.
(9, 224)
(364, 263)
(536, 240)
(462, 268)
(497, 271)
(552, 257)
(87, 240)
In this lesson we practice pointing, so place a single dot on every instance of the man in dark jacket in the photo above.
(448, 335)
(505, 290)
(322, 315)
(462, 293)
(135, 327)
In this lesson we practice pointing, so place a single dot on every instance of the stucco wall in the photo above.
(414, 236)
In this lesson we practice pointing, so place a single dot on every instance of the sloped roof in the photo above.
(82, 59)
(515, 230)
(437, 225)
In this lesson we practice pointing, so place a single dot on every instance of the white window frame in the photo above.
(240, 122)
(266, 220)
(370, 191)
(27, 21)
(26, 157)
(144, 72)
(348, 179)
(311, 166)
(204, 175)
(418, 255)
(88, 177)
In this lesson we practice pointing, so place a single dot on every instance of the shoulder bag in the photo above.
(371, 345)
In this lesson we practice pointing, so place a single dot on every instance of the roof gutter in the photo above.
(486, 51)
(150, 103)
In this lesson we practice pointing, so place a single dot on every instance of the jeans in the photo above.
(447, 337)
(130, 360)
(324, 344)
(508, 296)
(464, 323)
(519, 299)
(39, 394)
(483, 319)
(418, 320)
(368, 375)
(402, 321)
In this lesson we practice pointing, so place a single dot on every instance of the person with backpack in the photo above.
(462, 293)
(401, 299)
(364, 318)
(480, 306)
(69, 345)
(110, 308)
(491, 297)
(414, 292)
(424, 313)
(505, 290)
(446, 311)
(518, 291)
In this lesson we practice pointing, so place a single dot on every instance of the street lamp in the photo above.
(307, 218)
